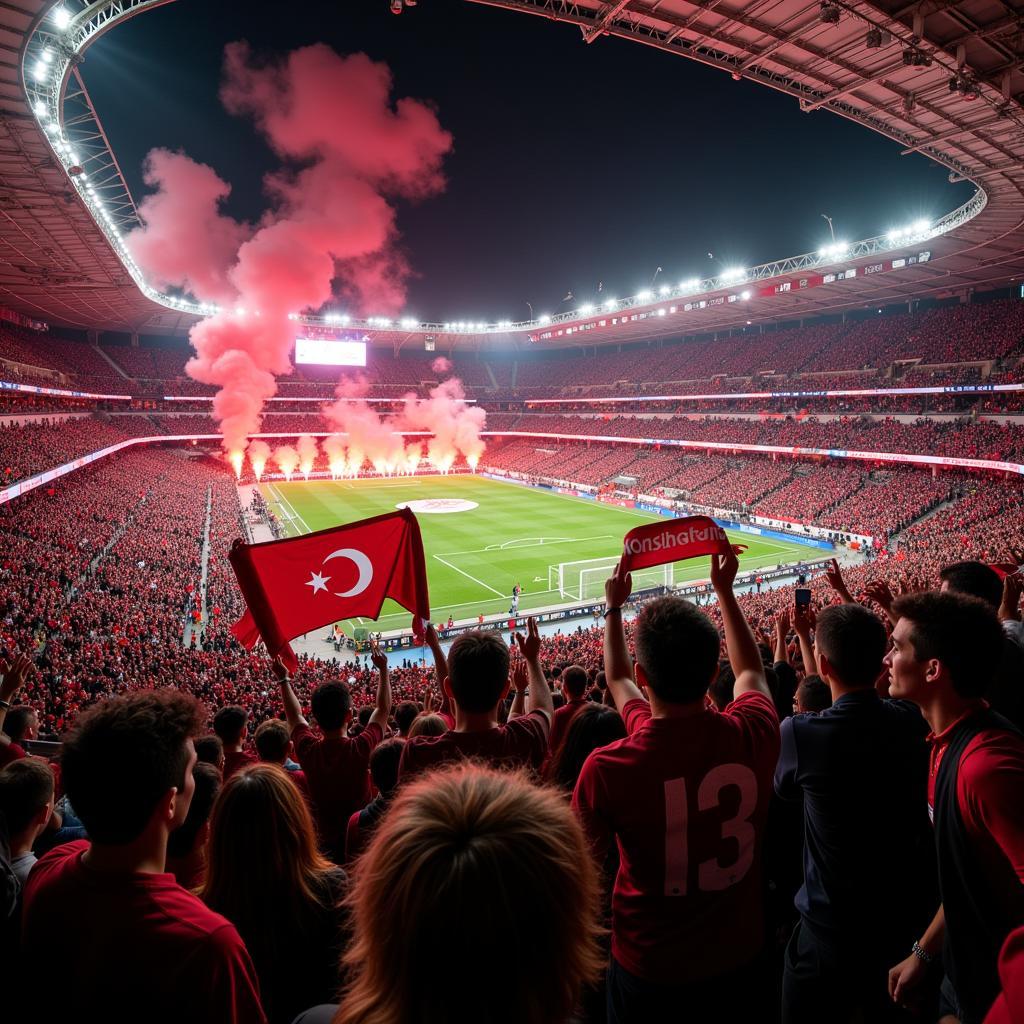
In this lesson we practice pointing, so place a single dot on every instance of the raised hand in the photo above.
(1013, 587)
(277, 666)
(804, 618)
(879, 592)
(834, 578)
(520, 675)
(529, 646)
(16, 672)
(782, 623)
(378, 657)
(618, 586)
(723, 570)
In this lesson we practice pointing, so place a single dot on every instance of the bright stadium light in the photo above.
(408, 322)
(545, 318)
(664, 290)
(47, 54)
(733, 274)
(921, 226)
(61, 18)
(610, 303)
(662, 311)
(645, 295)
(745, 295)
(692, 285)
(895, 235)
(39, 71)
(587, 308)
(40, 108)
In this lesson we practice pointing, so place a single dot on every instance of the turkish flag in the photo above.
(293, 586)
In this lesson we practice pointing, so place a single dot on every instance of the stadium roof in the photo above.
(945, 80)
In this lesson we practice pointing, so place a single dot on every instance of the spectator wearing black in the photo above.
(946, 649)
(860, 768)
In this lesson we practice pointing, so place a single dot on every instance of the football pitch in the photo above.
(482, 536)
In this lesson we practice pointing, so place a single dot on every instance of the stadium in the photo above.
(185, 387)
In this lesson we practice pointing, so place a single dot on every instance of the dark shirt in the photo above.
(861, 768)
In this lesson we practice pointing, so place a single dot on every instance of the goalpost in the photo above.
(584, 580)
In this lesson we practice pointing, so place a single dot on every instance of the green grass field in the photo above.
(512, 535)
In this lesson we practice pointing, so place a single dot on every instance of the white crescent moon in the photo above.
(361, 562)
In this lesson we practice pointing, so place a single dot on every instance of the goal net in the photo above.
(584, 580)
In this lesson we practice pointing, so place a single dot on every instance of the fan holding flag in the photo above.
(297, 585)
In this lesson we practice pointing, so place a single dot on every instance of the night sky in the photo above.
(572, 164)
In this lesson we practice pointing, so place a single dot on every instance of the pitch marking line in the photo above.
(486, 586)
(282, 501)
(521, 543)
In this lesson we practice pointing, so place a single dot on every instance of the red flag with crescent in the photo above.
(299, 584)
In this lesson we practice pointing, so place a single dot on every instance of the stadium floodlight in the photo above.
(733, 274)
(921, 226)
(39, 71)
(662, 311)
(545, 318)
(610, 303)
(664, 290)
(745, 295)
(586, 308)
(40, 108)
(692, 285)
(345, 318)
(408, 322)
(61, 18)
(895, 234)
(47, 54)
(645, 295)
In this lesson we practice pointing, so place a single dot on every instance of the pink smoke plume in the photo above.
(454, 424)
(441, 365)
(347, 153)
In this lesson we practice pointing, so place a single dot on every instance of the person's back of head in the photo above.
(122, 759)
(26, 795)
(850, 643)
(405, 715)
(575, 681)
(271, 740)
(943, 633)
(207, 782)
(515, 858)
(364, 715)
(262, 848)
(331, 705)
(230, 724)
(813, 694)
(722, 686)
(210, 750)
(478, 671)
(677, 649)
(593, 726)
(21, 723)
(428, 725)
(384, 765)
(974, 579)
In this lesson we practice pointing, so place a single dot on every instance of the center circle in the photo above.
(438, 506)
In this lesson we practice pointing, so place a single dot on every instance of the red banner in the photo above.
(675, 540)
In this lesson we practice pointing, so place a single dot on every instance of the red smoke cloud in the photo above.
(329, 230)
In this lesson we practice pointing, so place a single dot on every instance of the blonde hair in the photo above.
(470, 870)
(264, 872)
(427, 725)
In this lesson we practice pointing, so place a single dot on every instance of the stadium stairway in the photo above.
(117, 369)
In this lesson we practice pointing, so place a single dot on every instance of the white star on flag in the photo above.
(317, 582)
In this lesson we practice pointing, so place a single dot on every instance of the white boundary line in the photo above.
(283, 501)
(486, 586)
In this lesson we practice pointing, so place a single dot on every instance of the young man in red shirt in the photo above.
(103, 914)
(946, 649)
(476, 681)
(685, 795)
(337, 768)
(574, 685)
(231, 724)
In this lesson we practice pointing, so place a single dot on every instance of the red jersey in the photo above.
(686, 800)
(133, 947)
(989, 782)
(235, 760)
(1009, 1005)
(10, 752)
(521, 743)
(337, 771)
(561, 719)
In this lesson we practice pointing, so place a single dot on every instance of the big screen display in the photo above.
(330, 352)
